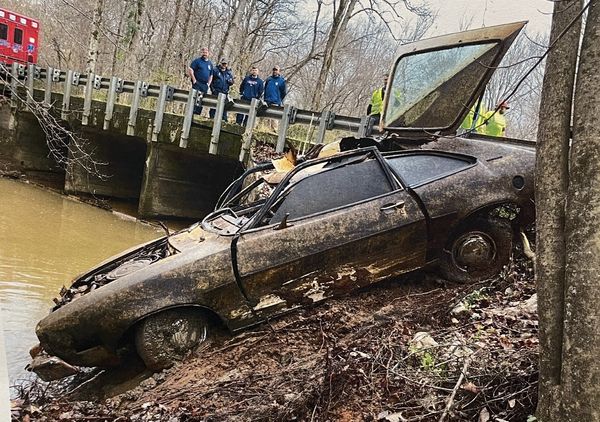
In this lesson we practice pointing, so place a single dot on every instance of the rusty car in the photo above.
(331, 225)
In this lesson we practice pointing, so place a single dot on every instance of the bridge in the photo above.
(140, 141)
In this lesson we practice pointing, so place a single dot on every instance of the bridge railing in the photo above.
(164, 94)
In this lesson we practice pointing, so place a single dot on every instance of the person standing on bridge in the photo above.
(275, 89)
(221, 82)
(251, 87)
(201, 72)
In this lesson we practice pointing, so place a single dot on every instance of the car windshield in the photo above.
(241, 207)
(431, 89)
(256, 188)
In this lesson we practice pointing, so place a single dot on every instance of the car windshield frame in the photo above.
(283, 186)
(494, 44)
(226, 197)
(503, 37)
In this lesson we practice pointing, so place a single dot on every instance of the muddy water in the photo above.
(45, 240)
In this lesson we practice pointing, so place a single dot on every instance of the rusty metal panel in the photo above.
(335, 252)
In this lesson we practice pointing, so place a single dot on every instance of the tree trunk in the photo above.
(233, 25)
(94, 36)
(580, 375)
(338, 27)
(117, 46)
(550, 193)
(238, 35)
(167, 47)
(183, 58)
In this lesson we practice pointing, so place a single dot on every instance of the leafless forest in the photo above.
(333, 53)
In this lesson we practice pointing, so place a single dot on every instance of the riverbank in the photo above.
(409, 349)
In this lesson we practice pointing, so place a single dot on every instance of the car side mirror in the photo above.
(283, 224)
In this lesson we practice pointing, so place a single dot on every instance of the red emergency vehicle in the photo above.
(19, 38)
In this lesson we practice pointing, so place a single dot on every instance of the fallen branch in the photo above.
(450, 401)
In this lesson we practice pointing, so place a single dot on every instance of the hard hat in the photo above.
(504, 104)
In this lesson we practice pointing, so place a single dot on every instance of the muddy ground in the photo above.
(410, 349)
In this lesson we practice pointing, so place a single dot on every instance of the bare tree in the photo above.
(341, 18)
(93, 44)
(568, 221)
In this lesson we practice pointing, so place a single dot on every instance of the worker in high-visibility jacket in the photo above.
(479, 126)
(376, 106)
(495, 121)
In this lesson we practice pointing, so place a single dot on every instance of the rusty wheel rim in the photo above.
(474, 251)
(183, 334)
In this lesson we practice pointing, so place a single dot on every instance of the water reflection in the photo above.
(45, 241)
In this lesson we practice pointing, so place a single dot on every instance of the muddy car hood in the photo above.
(195, 274)
(131, 260)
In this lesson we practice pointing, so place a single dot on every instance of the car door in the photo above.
(348, 224)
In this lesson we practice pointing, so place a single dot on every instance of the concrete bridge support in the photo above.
(165, 179)
(23, 143)
(115, 166)
(183, 183)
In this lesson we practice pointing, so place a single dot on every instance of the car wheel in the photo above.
(477, 251)
(167, 337)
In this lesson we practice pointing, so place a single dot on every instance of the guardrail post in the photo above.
(30, 77)
(323, 123)
(218, 120)
(14, 83)
(67, 96)
(87, 99)
(188, 118)
(110, 102)
(160, 111)
(283, 128)
(364, 127)
(247, 136)
(48, 91)
(135, 104)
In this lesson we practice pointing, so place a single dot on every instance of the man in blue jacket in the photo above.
(201, 73)
(251, 87)
(221, 81)
(275, 88)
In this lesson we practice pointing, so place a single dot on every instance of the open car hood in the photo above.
(434, 82)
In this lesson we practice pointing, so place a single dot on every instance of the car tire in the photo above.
(477, 251)
(167, 337)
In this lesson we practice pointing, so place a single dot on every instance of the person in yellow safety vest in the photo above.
(467, 124)
(376, 106)
(495, 121)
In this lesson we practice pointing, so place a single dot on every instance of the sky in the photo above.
(490, 12)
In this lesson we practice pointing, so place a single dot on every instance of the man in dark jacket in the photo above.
(275, 89)
(221, 81)
(201, 73)
(251, 87)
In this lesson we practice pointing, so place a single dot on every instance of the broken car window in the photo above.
(415, 169)
(430, 89)
(332, 188)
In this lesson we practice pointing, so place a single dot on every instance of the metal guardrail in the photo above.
(286, 115)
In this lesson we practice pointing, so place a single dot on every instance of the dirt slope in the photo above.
(355, 358)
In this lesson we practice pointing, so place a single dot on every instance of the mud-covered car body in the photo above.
(330, 226)
(361, 217)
